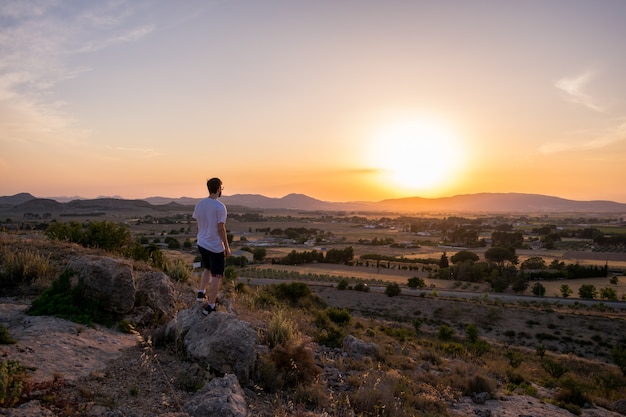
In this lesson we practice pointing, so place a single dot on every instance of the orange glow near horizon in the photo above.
(416, 156)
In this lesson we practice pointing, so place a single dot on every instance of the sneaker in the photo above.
(201, 296)
(208, 310)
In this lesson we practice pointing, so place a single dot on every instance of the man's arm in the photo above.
(221, 229)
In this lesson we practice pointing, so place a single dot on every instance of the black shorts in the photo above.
(212, 261)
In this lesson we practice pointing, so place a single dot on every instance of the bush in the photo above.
(342, 284)
(618, 355)
(361, 286)
(103, 235)
(178, 270)
(339, 316)
(5, 337)
(12, 378)
(572, 392)
(293, 291)
(280, 329)
(476, 384)
(330, 336)
(392, 289)
(22, 268)
(67, 302)
(416, 282)
(553, 368)
(445, 332)
(289, 365)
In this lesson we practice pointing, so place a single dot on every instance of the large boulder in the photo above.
(178, 327)
(221, 397)
(619, 406)
(108, 281)
(156, 290)
(359, 348)
(219, 341)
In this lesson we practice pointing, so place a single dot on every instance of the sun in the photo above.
(420, 155)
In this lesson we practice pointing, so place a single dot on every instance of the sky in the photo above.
(341, 100)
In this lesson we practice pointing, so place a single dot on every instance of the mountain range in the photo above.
(467, 203)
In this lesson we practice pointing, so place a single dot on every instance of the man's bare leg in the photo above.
(206, 276)
(214, 288)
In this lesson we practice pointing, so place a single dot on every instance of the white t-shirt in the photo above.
(209, 212)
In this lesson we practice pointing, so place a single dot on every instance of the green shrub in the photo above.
(105, 235)
(340, 316)
(178, 270)
(330, 336)
(67, 302)
(553, 368)
(515, 358)
(445, 332)
(572, 392)
(471, 331)
(12, 379)
(342, 284)
(281, 329)
(361, 286)
(392, 289)
(618, 355)
(293, 291)
(5, 337)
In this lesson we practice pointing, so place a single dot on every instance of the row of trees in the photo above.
(501, 271)
(333, 256)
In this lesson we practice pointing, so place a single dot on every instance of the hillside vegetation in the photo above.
(351, 351)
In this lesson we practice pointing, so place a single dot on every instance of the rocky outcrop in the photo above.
(358, 348)
(220, 397)
(619, 406)
(220, 341)
(155, 290)
(140, 296)
(108, 281)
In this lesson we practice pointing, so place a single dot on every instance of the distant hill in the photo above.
(467, 203)
(16, 199)
(473, 203)
(502, 202)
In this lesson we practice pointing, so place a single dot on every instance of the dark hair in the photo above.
(214, 185)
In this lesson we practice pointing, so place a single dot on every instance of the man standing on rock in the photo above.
(210, 213)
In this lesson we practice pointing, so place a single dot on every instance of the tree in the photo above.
(443, 261)
(502, 238)
(463, 256)
(534, 262)
(587, 291)
(608, 293)
(555, 264)
(566, 291)
(538, 290)
(416, 282)
(500, 254)
(520, 284)
(258, 254)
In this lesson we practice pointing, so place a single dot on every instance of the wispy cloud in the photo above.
(37, 40)
(574, 88)
(612, 136)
